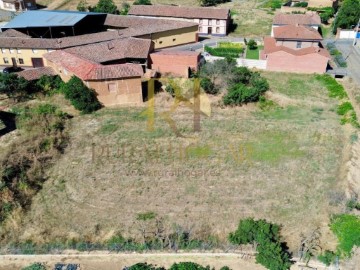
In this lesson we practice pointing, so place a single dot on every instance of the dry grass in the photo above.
(283, 165)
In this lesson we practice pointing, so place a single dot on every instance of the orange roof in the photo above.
(296, 32)
(293, 19)
(88, 70)
(36, 73)
(271, 47)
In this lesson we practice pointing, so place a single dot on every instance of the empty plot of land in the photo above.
(283, 164)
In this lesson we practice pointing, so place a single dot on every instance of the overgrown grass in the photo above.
(336, 90)
(347, 229)
(225, 51)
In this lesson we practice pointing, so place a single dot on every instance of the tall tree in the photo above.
(106, 6)
(349, 14)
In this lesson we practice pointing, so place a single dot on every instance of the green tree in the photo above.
(15, 87)
(106, 6)
(144, 266)
(142, 2)
(348, 15)
(80, 96)
(47, 83)
(188, 266)
(209, 87)
(252, 45)
(125, 7)
(82, 6)
(207, 3)
(34, 266)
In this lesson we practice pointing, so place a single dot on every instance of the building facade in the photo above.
(18, 5)
(211, 21)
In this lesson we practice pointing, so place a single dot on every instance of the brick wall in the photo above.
(310, 63)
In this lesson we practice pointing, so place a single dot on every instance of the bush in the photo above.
(353, 204)
(209, 87)
(144, 266)
(344, 108)
(347, 229)
(301, 4)
(252, 44)
(48, 84)
(225, 51)
(328, 257)
(142, 2)
(80, 96)
(188, 266)
(15, 87)
(335, 89)
(35, 266)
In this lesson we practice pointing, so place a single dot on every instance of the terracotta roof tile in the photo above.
(13, 33)
(88, 70)
(296, 32)
(293, 19)
(114, 50)
(271, 47)
(36, 73)
(180, 12)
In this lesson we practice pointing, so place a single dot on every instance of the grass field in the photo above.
(283, 165)
(254, 54)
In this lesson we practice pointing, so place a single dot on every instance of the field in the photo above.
(285, 164)
(250, 18)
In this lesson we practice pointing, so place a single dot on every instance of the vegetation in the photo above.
(22, 169)
(49, 84)
(125, 7)
(327, 257)
(142, 2)
(353, 204)
(175, 266)
(208, 3)
(80, 96)
(347, 229)
(209, 87)
(348, 15)
(225, 51)
(273, 4)
(82, 6)
(15, 87)
(105, 6)
(144, 266)
(247, 87)
(266, 236)
(301, 4)
(35, 266)
(252, 44)
(338, 58)
(254, 54)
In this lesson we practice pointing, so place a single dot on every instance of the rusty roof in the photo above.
(114, 50)
(180, 12)
(293, 19)
(296, 32)
(36, 73)
(88, 70)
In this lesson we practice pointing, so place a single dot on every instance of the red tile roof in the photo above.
(180, 12)
(88, 70)
(296, 32)
(293, 19)
(179, 53)
(271, 47)
(36, 73)
(13, 33)
(114, 50)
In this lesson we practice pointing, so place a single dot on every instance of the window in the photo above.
(217, 30)
(12, 50)
(3, 50)
(6, 60)
(21, 61)
(18, 50)
(34, 50)
(298, 44)
(201, 21)
(217, 22)
(174, 39)
(112, 87)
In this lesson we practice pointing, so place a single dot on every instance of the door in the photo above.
(37, 62)
(13, 60)
(209, 30)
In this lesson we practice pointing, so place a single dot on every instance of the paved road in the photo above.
(352, 56)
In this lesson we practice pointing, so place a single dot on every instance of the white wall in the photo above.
(347, 34)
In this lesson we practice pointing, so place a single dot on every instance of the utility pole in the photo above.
(356, 32)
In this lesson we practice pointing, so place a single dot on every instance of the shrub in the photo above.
(344, 108)
(353, 204)
(252, 44)
(225, 51)
(15, 87)
(188, 266)
(144, 266)
(301, 4)
(328, 257)
(48, 84)
(80, 96)
(335, 89)
(209, 87)
(35, 266)
(241, 75)
(142, 2)
(347, 229)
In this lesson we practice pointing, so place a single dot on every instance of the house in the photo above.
(21, 45)
(311, 19)
(18, 5)
(175, 63)
(115, 84)
(295, 48)
(211, 21)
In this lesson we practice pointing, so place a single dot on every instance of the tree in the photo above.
(47, 83)
(80, 96)
(125, 7)
(209, 87)
(348, 15)
(82, 6)
(188, 266)
(14, 87)
(106, 6)
(142, 2)
(144, 266)
(252, 45)
(207, 3)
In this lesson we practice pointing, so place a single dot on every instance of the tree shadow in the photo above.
(9, 121)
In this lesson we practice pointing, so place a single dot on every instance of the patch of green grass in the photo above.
(254, 54)
(336, 90)
(347, 229)
(225, 51)
(273, 4)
